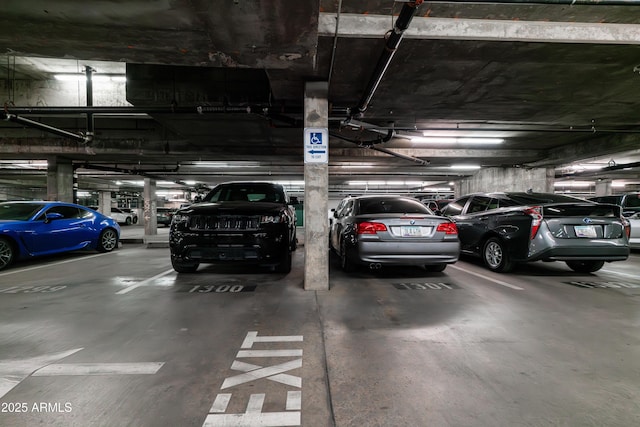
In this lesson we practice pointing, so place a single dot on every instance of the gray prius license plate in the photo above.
(585, 231)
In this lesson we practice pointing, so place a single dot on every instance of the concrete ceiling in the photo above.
(223, 82)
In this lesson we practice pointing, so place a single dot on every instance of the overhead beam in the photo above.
(606, 146)
(374, 26)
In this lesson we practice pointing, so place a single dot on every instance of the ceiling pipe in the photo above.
(401, 156)
(90, 123)
(371, 144)
(37, 125)
(394, 37)
(145, 173)
(596, 172)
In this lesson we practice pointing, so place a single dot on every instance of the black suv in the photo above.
(237, 222)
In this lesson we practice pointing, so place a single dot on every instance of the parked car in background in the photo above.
(630, 202)
(436, 205)
(121, 216)
(508, 228)
(134, 215)
(634, 238)
(164, 216)
(392, 230)
(237, 222)
(31, 229)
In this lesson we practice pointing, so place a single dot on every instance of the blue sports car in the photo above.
(35, 228)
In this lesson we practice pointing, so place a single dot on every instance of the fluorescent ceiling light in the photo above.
(586, 166)
(208, 164)
(291, 183)
(386, 183)
(168, 193)
(618, 184)
(436, 189)
(190, 182)
(465, 167)
(452, 140)
(96, 78)
(573, 184)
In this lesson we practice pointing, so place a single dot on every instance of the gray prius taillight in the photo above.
(536, 214)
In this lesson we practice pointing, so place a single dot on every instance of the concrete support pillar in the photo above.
(539, 180)
(59, 179)
(316, 190)
(104, 202)
(603, 187)
(150, 208)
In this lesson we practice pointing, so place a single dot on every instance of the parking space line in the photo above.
(144, 282)
(499, 282)
(65, 369)
(633, 276)
(22, 270)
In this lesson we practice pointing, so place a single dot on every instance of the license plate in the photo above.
(585, 231)
(411, 231)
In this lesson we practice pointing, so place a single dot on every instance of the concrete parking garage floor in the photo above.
(120, 339)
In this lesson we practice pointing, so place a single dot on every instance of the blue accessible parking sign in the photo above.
(316, 145)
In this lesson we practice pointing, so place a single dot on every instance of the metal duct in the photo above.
(393, 40)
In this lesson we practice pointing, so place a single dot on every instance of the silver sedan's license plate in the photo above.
(585, 231)
(411, 231)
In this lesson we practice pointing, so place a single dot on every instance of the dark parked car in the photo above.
(630, 202)
(164, 216)
(508, 228)
(30, 229)
(392, 230)
(237, 222)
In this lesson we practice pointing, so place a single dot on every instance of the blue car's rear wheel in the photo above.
(7, 253)
(108, 240)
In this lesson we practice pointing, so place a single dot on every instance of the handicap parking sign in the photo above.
(316, 145)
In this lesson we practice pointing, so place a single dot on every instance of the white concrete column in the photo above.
(316, 190)
(59, 179)
(603, 187)
(104, 202)
(150, 208)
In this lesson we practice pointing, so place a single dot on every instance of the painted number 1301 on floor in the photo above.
(203, 289)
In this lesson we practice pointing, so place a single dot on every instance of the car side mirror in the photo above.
(335, 214)
(51, 216)
(293, 200)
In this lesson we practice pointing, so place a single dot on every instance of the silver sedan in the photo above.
(392, 230)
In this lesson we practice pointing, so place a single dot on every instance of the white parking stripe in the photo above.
(499, 282)
(63, 369)
(22, 270)
(633, 276)
(144, 282)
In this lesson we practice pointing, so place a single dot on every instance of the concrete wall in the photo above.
(507, 179)
(54, 93)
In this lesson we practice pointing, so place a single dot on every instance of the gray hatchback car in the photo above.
(507, 228)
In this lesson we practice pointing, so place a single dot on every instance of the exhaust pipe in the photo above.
(375, 266)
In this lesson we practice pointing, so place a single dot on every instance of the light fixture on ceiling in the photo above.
(573, 184)
(465, 167)
(456, 140)
(386, 183)
(76, 77)
(214, 164)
